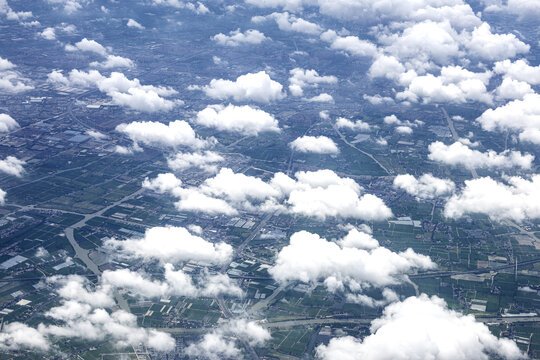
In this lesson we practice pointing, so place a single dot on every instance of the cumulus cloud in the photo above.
(419, 328)
(357, 125)
(289, 22)
(113, 61)
(515, 199)
(69, 6)
(203, 160)
(134, 24)
(174, 134)
(318, 194)
(237, 38)
(123, 92)
(302, 78)
(350, 265)
(12, 166)
(457, 12)
(454, 84)
(88, 46)
(426, 186)
(423, 41)
(257, 87)
(83, 314)
(48, 34)
(2, 197)
(315, 144)
(198, 7)
(386, 66)
(176, 283)
(242, 119)
(321, 98)
(460, 154)
(518, 70)
(522, 116)
(349, 44)
(11, 81)
(172, 244)
(7, 123)
(96, 135)
(220, 344)
(524, 9)
(18, 16)
(17, 336)
(484, 44)
(513, 89)
(378, 99)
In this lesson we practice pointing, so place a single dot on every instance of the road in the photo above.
(476, 271)
(83, 253)
(220, 300)
(360, 150)
(475, 176)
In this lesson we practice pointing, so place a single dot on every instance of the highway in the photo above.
(475, 176)
(476, 271)
(360, 150)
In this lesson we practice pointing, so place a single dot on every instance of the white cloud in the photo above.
(422, 42)
(519, 70)
(48, 34)
(83, 314)
(113, 61)
(5, 64)
(289, 22)
(403, 129)
(123, 92)
(198, 8)
(454, 84)
(486, 45)
(134, 24)
(460, 154)
(318, 194)
(172, 244)
(12, 166)
(176, 283)
(7, 123)
(386, 66)
(378, 99)
(220, 344)
(522, 116)
(19, 16)
(425, 187)
(321, 98)
(203, 160)
(70, 6)
(2, 197)
(242, 119)
(457, 12)
(88, 46)
(236, 38)
(289, 5)
(517, 200)
(513, 89)
(349, 44)
(525, 9)
(315, 144)
(310, 259)
(249, 87)
(96, 135)
(174, 134)
(17, 336)
(422, 328)
(358, 125)
(10, 80)
(301, 79)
